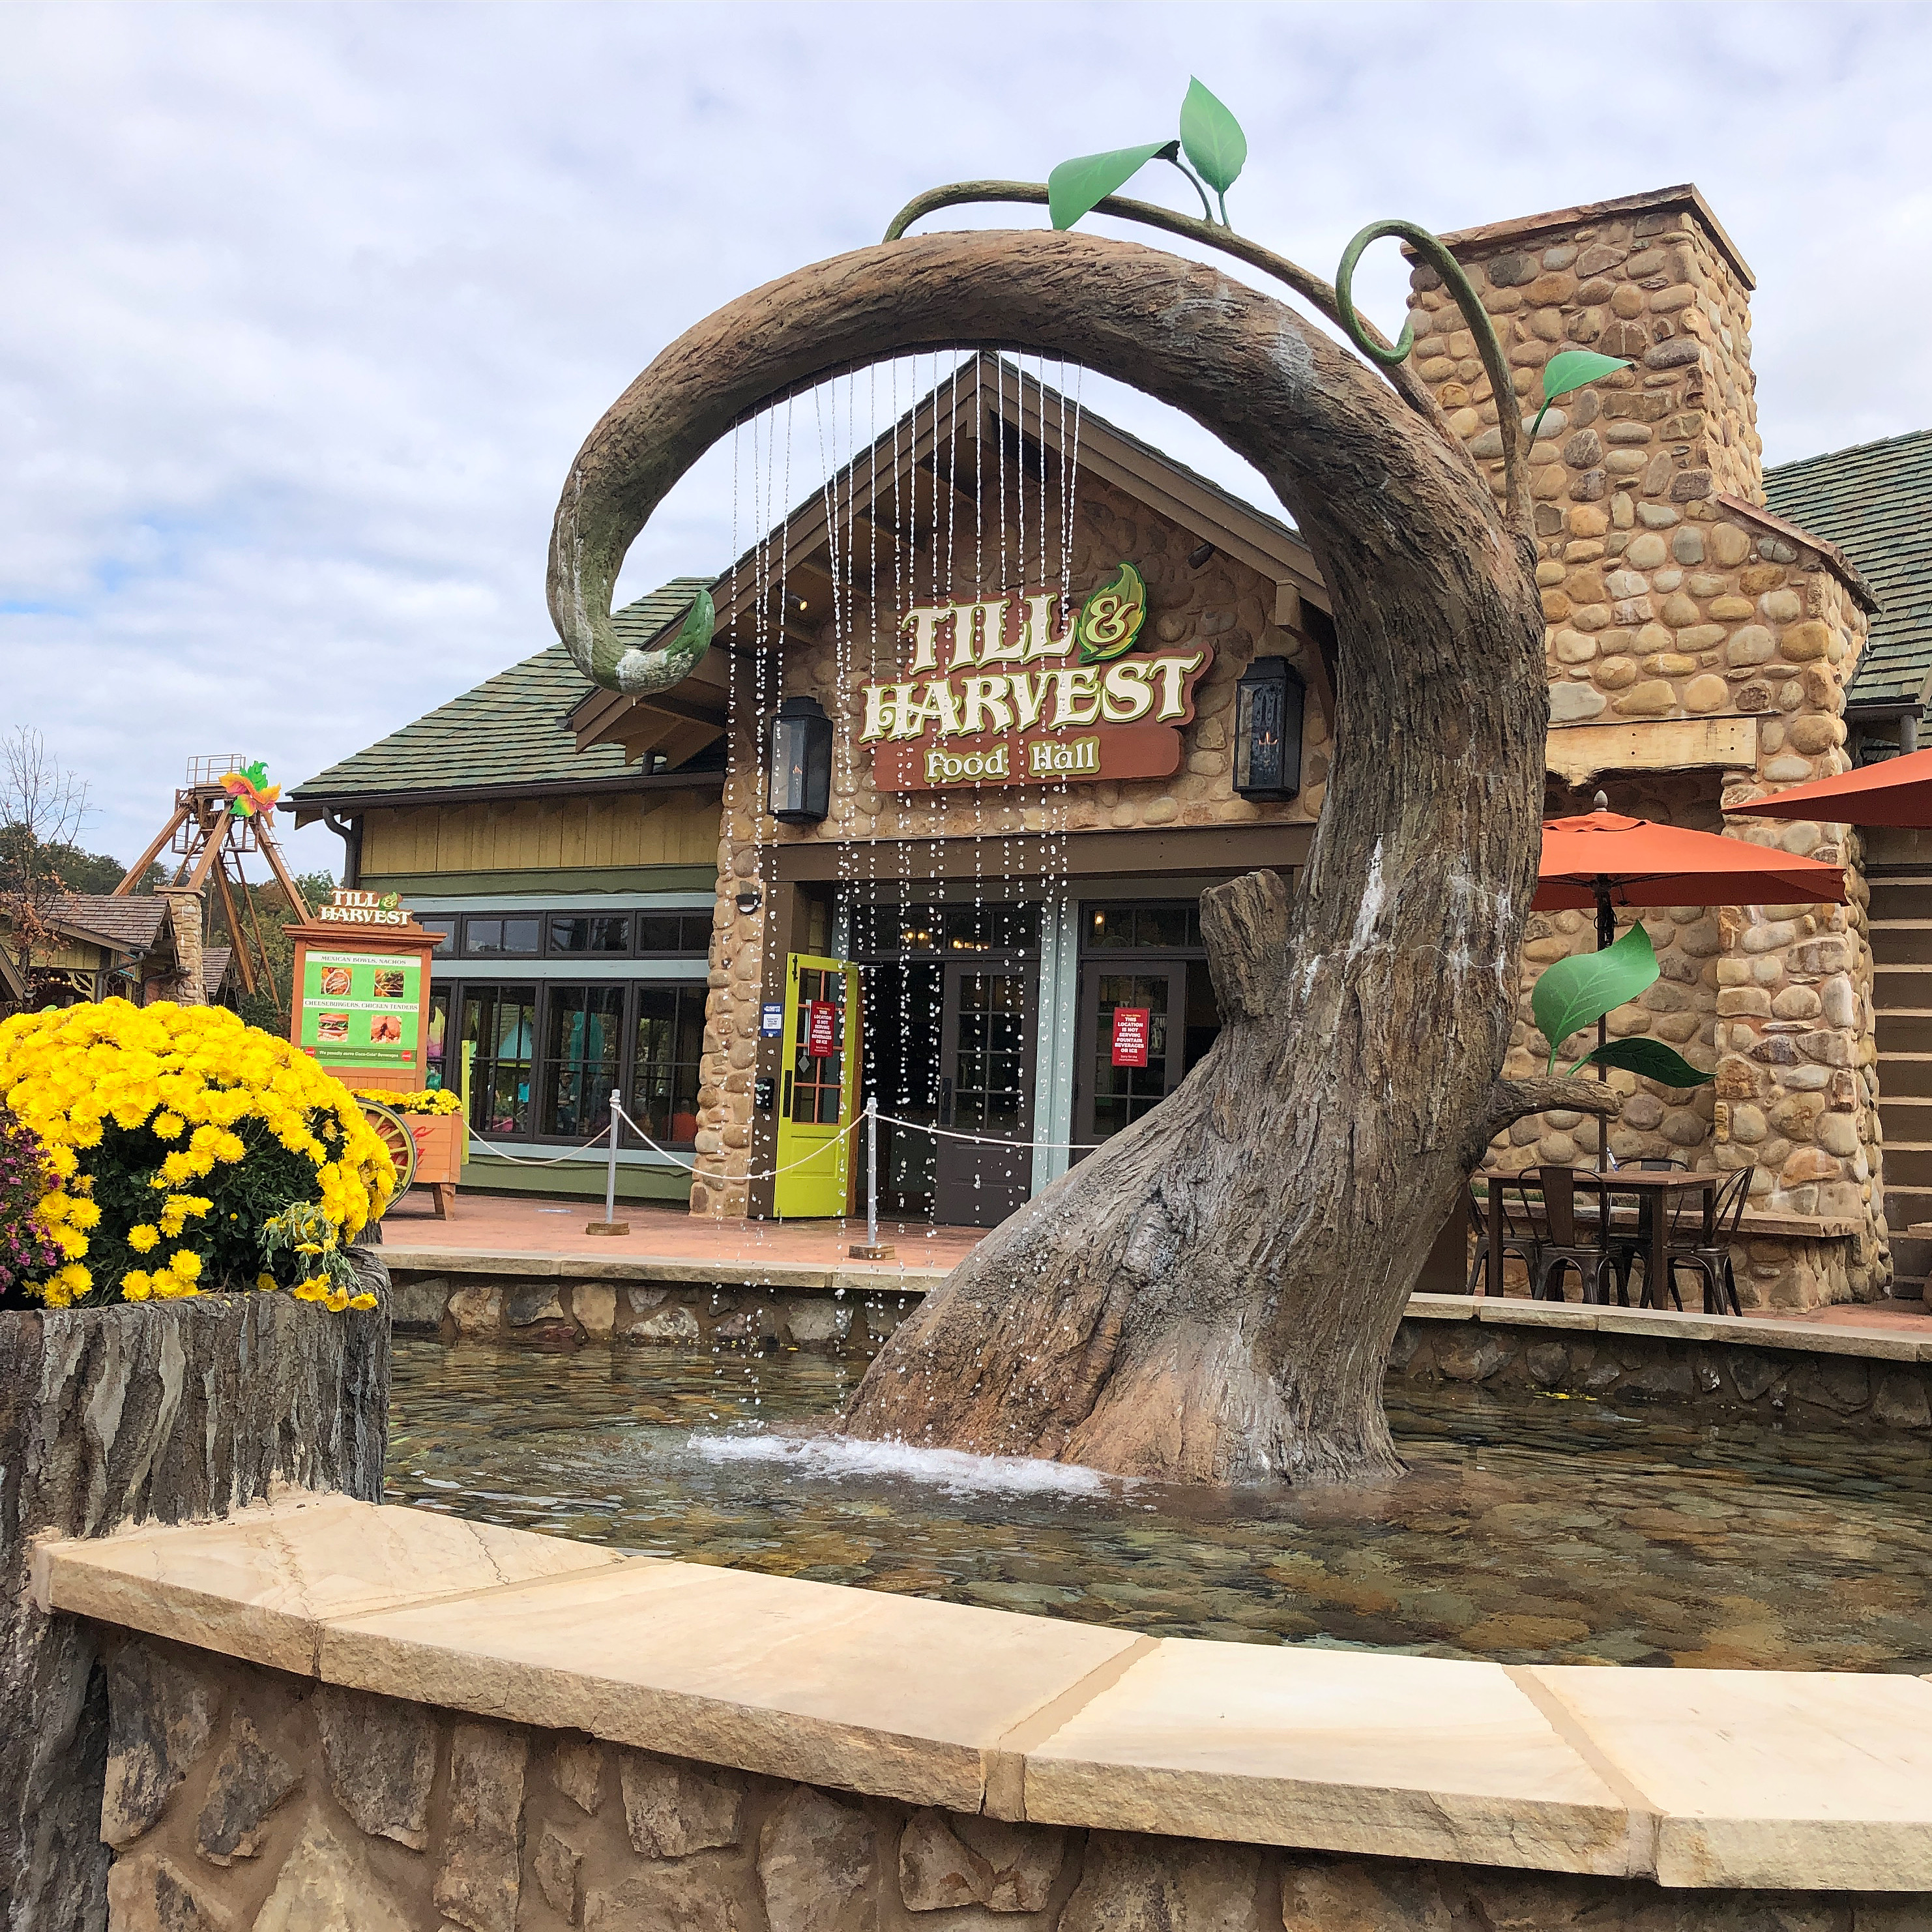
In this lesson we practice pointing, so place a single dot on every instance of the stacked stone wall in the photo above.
(240, 1797)
(1664, 602)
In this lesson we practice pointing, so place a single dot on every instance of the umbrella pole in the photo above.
(1606, 934)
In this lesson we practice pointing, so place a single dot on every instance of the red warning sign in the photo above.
(1130, 1036)
(821, 1029)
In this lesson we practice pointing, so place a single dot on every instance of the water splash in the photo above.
(953, 1471)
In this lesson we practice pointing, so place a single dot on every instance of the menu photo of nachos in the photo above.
(335, 983)
(331, 1026)
(385, 1029)
(389, 983)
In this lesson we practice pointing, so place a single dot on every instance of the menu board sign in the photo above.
(361, 1008)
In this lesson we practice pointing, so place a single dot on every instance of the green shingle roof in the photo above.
(509, 730)
(1875, 502)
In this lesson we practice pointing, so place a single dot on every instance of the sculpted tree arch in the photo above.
(1211, 1296)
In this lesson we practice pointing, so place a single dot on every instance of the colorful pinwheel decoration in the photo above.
(249, 790)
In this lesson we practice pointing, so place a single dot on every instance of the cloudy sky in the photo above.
(307, 307)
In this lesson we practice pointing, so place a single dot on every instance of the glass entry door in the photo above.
(985, 1090)
(1113, 1091)
(819, 1088)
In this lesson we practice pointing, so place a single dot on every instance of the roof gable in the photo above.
(510, 730)
(1875, 502)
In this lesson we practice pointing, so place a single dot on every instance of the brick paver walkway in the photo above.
(524, 1224)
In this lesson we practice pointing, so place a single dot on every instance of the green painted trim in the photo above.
(559, 879)
(634, 1183)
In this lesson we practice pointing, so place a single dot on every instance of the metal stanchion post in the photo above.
(610, 1225)
(871, 1251)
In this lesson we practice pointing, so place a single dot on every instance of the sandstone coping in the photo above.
(659, 1268)
(1796, 1338)
(1694, 1778)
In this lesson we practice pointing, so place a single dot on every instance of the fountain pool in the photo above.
(1529, 1529)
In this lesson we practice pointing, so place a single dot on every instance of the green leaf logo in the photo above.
(1112, 617)
(1578, 991)
(1211, 138)
(1650, 1058)
(1078, 187)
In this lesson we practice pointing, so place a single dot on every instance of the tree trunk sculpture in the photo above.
(1211, 1296)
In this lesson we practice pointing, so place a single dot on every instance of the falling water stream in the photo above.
(1528, 1529)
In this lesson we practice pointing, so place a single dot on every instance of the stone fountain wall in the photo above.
(238, 1796)
(1670, 598)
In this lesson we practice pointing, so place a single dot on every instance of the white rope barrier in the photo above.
(993, 1140)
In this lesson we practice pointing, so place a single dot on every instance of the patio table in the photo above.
(1653, 1189)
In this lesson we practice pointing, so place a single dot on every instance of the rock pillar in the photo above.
(1677, 605)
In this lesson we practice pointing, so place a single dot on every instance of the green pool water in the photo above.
(1528, 1529)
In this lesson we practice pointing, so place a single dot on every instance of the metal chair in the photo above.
(1518, 1236)
(1558, 1245)
(1710, 1256)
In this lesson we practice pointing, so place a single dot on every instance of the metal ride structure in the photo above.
(222, 814)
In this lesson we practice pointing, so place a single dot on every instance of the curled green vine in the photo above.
(1432, 251)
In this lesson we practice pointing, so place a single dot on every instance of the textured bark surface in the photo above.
(1211, 1296)
(159, 1413)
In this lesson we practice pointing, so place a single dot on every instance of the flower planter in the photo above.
(158, 1412)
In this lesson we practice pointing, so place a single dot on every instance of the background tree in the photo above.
(1211, 1295)
(265, 908)
(43, 806)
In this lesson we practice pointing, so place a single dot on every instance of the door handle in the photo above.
(945, 1101)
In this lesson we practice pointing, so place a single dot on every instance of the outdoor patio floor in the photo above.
(526, 1224)
(496, 1224)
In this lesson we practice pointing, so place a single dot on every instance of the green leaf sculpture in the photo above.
(1212, 140)
(1578, 991)
(1650, 1058)
(1078, 187)
(1571, 370)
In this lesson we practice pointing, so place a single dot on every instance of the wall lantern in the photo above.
(1268, 702)
(801, 787)
(747, 901)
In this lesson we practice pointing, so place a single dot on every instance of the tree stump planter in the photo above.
(155, 1412)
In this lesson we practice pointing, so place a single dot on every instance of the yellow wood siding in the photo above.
(658, 828)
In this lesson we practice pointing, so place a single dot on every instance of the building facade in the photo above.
(989, 921)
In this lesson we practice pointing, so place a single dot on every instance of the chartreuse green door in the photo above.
(819, 1089)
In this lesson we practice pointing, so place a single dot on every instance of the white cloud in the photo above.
(307, 307)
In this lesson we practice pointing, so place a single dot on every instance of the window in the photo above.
(494, 936)
(674, 934)
(583, 1038)
(663, 1075)
(501, 1023)
(447, 927)
(590, 933)
(816, 1080)
(436, 1067)
(1172, 928)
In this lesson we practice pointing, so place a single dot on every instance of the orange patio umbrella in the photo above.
(1897, 792)
(1604, 859)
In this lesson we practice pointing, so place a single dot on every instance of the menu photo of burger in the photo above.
(331, 1026)
(335, 983)
(389, 982)
(385, 1029)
